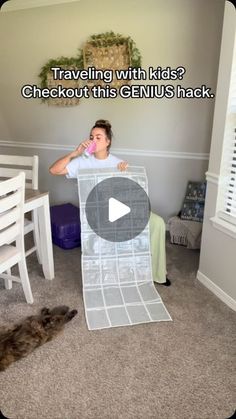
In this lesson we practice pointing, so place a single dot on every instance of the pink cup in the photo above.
(90, 149)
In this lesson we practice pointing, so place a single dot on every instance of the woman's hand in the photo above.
(122, 166)
(80, 149)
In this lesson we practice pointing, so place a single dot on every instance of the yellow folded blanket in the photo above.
(158, 247)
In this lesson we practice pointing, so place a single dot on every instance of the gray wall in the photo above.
(170, 137)
(218, 250)
(4, 130)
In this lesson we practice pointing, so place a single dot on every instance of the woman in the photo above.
(101, 134)
(70, 164)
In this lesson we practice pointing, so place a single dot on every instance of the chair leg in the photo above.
(37, 236)
(25, 281)
(8, 282)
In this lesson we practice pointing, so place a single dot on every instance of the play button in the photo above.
(117, 209)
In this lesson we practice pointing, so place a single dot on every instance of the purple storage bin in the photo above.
(65, 223)
(66, 243)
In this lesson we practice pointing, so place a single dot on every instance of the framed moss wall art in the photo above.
(48, 81)
(111, 51)
(105, 51)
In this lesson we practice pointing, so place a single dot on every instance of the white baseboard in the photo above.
(216, 290)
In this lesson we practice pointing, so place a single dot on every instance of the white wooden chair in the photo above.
(12, 198)
(11, 166)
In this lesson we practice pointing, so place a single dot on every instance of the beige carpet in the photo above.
(184, 369)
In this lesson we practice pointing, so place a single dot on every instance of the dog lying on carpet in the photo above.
(20, 340)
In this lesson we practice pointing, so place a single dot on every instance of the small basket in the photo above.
(64, 83)
(113, 57)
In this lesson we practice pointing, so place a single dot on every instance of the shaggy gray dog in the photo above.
(20, 340)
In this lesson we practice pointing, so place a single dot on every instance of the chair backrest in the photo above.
(11, 166)
(12, 196)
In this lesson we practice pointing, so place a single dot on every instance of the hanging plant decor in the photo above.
(105, 51)
(47, 80)
(111, 51)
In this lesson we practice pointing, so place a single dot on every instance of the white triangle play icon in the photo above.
(117, 210)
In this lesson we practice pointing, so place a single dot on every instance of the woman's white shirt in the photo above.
(90, 163)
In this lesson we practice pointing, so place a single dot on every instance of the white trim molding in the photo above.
(212, 178)
(12, 5)
(216, 290)
(220, 220)
(122, 151)
(224, 226)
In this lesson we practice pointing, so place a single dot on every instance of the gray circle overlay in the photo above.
(129, 193)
